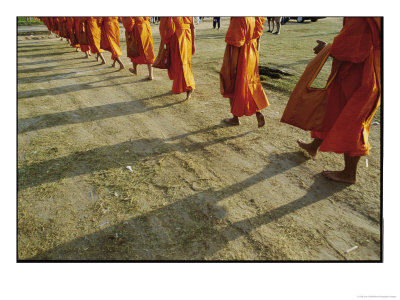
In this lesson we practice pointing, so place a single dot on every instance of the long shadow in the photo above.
(77, 70)
(44, 78)
(186, 229)
(47, 61)
(51, 68)
(103, 158)
(70, 88)
(89, 114)
(44, 54)
(30, 45)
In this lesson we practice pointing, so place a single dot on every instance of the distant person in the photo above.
(353, 96)
(216, 20)
(239, 77)
(178, 34)
(274, 20)
(85, 48)
(94, 37)
(73, 41)
(110, 39)
(140, 40)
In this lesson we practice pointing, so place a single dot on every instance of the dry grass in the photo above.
(197, 190)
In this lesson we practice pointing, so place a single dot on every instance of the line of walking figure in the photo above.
(338, 116)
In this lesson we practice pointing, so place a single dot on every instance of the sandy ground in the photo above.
(198, 190)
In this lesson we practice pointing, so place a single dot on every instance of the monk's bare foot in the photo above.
(260, 119)
(310, 150)
(133, 71)
(113, 64)
(232, 121)
(121, 67)
(97, 58)
(340, 176)
(189, 94)
(103, 62)
(151, 77)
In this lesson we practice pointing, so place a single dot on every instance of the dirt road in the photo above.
(198, 190)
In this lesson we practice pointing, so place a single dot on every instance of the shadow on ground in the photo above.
(192, 228)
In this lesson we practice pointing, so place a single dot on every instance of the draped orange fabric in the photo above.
(55, 25)
(144, 40)
(239, 77)
(177, 32)
(70, 32)
(110, 36)
(63, 27)
(355, 93)
(94, 34)
(77, 21)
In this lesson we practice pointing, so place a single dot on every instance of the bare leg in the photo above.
(278, 28)
(134, 69)
(113, 64)
(260, 119)
(97, 56)
(121, 65)
(103, 61)
(151, 77)
(87, 54)
(349, 174)
(189, 94)
(312, 147)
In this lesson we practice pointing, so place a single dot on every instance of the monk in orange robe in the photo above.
(138, 36)
(239, 77)
(84, 48)
(63, 27)
(71, 34)
(178, 33)
(110, 39)
(353, 97)
(94, 36)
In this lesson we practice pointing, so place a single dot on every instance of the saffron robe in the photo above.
(239, 77)
(62, 21)
(138, 30)
(355, 93)
(94, 34)
(77, 21)
(177, 32)
(110, 36)
(70, 32)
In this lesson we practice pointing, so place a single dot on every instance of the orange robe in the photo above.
(70, 32)
(55, 25)
(77, 21)
(110, 36)
(94, 34)
(139, 31)
(239, 77)
(63, 26)
(355, 93)
(177, 32)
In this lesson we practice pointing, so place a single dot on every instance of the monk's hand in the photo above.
(321, 45)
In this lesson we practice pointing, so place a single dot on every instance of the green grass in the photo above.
(23, 21)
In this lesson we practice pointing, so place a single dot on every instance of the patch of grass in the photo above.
(24, 21)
